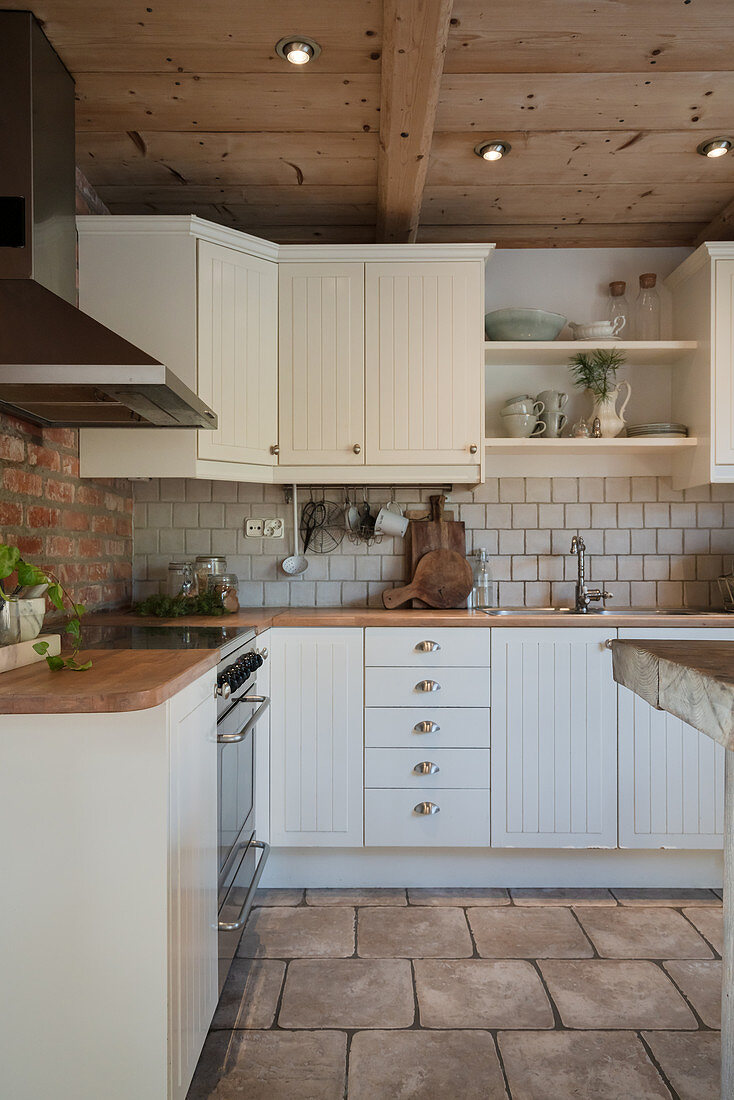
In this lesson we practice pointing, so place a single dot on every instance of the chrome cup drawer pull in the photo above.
(426, 808)
(426, 767)
(426, 727)
(427, 685)
(427, 647)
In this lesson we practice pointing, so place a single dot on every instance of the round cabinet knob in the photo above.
(426, 808)
(427, 647)
(473, 448)
(426, 727)
(427, 685)
(275, 449)
(357, 449)
(426, 767)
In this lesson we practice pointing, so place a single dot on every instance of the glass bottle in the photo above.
(647, 313)
(484, 592)
(618, 307)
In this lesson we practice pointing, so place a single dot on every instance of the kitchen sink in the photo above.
(625, 612)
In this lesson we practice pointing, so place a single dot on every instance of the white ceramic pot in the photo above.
(21, 620)
(611, 421)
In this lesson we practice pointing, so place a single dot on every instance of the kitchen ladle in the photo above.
(296, 563)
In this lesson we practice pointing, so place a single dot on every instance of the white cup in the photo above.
(523, 425)
(391, 521)
(528, 406)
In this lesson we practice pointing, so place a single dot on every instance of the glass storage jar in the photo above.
(209, 565)
(226, 586)
(180, 580)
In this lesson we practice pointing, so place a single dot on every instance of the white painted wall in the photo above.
(575, 281)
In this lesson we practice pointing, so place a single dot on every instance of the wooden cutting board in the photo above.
(443, 579)
(436, 533)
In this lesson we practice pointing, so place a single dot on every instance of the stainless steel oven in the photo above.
(241, 855)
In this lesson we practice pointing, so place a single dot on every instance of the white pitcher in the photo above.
(611, 422)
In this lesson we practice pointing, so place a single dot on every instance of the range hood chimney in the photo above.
(59, 367)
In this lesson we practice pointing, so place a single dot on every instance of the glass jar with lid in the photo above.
(180, 580)
(618, 310)
(209, 565)
(226, 586)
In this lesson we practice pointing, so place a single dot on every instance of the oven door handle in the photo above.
(235, 738)
(234, 926)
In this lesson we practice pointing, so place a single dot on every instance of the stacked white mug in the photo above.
(520, 416)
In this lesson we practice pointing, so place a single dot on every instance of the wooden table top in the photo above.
(694, 680)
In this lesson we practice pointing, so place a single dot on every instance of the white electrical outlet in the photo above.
(273, 528)
(254, 528)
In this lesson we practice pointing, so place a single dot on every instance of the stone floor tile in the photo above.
(710, 923)
(605, 1065)
(271, 1065)
(424, 1065)
(638, 896)
(547, 895)
(456, 895)
(284, 933)
(350, 993)
(601, 993)
(379, 896)
(480, 993)
(416, 932)
(250, 995)
(529, 933)
(691, 1060)
(642, 933)
(277, 896)
(700, 982)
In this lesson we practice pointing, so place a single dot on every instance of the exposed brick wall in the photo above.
(80, 529)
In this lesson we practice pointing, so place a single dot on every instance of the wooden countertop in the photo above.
(261, 618)
(119, 680)
(692, 680)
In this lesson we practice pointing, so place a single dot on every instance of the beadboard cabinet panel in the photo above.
(321, 329)
(723, 356)
(424, 363)
(316, 730)
(238, 354)
(671, 777)
(554, 739)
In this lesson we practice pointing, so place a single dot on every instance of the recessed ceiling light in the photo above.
(492, 150)
(298, 49)
(715, 147)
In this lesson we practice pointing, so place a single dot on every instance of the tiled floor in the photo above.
(470, 995)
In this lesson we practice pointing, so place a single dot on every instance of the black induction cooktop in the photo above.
(174, 636)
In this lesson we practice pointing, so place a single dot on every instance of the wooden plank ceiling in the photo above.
(185, 107)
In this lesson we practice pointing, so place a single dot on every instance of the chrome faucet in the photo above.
(585, 595)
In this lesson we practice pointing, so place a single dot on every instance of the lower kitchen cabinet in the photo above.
(671, 777)
(554, 739)
(316, 737)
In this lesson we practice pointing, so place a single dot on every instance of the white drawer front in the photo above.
(391, 821)
(427, 647)
(466, 768)
(440, 687)
(426, 727)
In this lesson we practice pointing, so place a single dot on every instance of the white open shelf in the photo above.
(588, 447)
(544, 353)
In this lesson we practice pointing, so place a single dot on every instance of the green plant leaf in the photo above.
(74, 627)
(41, 647)
(55, 663)
(56, 595)
(30, 574)
(74, 666)
(79, 609)
(9, 558)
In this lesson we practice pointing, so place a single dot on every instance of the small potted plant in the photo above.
(596, 371)
(22, 611)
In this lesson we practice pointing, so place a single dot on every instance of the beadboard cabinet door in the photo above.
(238, 354)
(671, 777)
(554, 739)
(424, 363)
(321, 311)
(316, 738)
(723, 362)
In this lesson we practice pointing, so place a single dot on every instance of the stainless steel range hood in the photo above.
(58, 366)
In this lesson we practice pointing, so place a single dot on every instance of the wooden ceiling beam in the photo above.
(415, 33)
(556, 235)
(721, 228)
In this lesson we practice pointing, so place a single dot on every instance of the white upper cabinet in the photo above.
(322, 364)
(238, 354)
(424, 363)
(723, 349)
(554, 739)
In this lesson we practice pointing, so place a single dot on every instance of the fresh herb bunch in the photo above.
(597, 370)
(28, 575)
(173, 607)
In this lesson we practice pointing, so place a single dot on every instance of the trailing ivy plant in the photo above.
(597, 370)
(29, 574)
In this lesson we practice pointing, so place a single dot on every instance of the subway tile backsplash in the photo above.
(649, 543)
